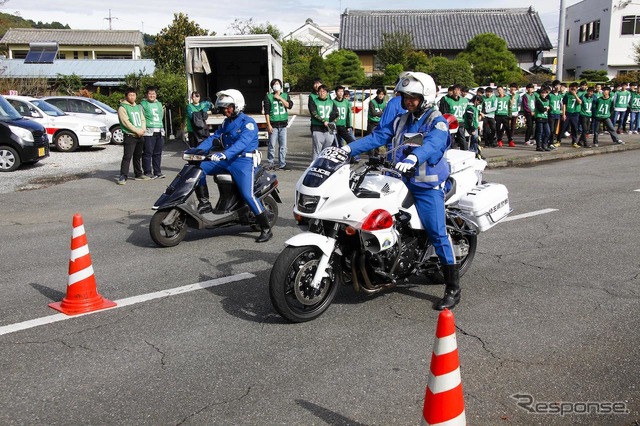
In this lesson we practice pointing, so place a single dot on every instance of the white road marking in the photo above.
(636, 190)
(12, 328)
(291, 121)
(530, 214)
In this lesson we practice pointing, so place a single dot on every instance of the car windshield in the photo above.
(47, 108)
(7, 111)
(103, 106)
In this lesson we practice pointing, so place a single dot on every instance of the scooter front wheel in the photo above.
(168, 235)
(290, 288)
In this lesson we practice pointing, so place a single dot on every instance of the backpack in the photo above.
(199, 124)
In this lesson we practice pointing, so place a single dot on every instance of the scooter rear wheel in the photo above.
(167, 235)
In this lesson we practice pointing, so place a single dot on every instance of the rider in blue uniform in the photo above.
(418, 92)
(239, 137)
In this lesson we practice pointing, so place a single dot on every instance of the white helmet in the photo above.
(224, 98)
(417, 84)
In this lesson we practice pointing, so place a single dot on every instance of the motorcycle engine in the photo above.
(384, 261)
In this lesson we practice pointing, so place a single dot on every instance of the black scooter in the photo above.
(178, 208)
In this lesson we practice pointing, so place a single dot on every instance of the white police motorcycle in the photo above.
(364, 229)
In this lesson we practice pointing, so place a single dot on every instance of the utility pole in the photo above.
(110, 18)
(561, 31)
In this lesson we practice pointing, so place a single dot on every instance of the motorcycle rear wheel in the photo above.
(289, 284)
(465, 261)
(167, 235)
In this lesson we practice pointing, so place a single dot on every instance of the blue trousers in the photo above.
(242, 171)
(152, 154)
(430, 206)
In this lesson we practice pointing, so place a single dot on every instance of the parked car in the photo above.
(90, 108)
(67, 132)
(22, 141)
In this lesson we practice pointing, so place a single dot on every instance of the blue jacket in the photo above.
(238, 135)
(432, 169)
(393, 109)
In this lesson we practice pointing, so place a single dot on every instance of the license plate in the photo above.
(41, 152)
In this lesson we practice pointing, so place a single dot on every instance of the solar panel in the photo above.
(41, 53)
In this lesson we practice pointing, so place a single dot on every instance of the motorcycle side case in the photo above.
(485, 205)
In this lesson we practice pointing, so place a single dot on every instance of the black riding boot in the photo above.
(265, 234)
(452, 287)
(204, 206)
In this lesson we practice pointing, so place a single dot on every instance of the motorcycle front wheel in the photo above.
(167, 235)
(290, 284)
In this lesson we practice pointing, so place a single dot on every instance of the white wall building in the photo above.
(599, 35)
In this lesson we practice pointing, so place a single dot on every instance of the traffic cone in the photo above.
(444, 402)
(82, 294)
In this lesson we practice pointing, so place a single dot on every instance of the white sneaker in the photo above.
(530, 142)
(629, 132)
(635, 132)
(567, 134)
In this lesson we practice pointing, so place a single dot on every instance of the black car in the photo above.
(22, 141)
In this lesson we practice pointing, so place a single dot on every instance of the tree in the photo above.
(69, 84)
(418, 61)
(343, 67)
(446, 72)
(593, 75)
(168, 51)
(396, 48)
(491, 60)
(296, 58)
(249, 27)
(391, 73)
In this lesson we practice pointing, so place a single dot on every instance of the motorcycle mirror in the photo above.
(413, 139)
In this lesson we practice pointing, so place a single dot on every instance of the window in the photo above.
(630, 25)
(590, 31)
(566, 38)
(41, 53)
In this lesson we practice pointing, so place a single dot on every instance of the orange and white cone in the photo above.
(444, 402)
(82, 293)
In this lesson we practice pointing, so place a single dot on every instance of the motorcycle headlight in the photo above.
(307, 203)
(193, 157)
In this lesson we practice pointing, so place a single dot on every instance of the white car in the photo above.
(80, 106)
(67, 132)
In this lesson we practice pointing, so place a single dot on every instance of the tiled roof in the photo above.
(100, 69)
(74, 37)
(443, 29)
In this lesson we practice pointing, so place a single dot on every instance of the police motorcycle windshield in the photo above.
(327, 163)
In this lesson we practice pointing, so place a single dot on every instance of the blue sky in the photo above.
(151, 16)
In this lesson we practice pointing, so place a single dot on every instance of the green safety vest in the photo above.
(278, 111)
(324, 110)
(572, 104)
(490, 106)
(555, 101)
(586, 108)
(603, 108)
(378, 107)
(475, 122)
(153, 114)
(502, 105)
(457, 107)
(542, 115)
(344, 108)
(635, 101)
(622, 99)
(514, 103)
(531, 101)
(134, 112)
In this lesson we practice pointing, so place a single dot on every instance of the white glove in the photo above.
(218, 156)
(407, 164)
(346, 149)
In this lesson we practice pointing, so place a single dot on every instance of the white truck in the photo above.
(247, 63)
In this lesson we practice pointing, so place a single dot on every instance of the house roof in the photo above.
(74, 37)
(311, 33)
(443, 29)
(101, 69)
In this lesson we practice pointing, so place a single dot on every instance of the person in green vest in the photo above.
(514, 110)
(489, 106)
(276, 106)
(621, 101)
(455, 104)
(154, 135)
(503, 119)
(571, 114)
(323, 111)
(634, 122)
(603, 107)
(197, 113)
(555, 114)
(471, 122)
(376, 107)
(133, 125)
(541, 117)
(586, 112)
(343, 122)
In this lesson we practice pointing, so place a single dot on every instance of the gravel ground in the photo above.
(61, 166)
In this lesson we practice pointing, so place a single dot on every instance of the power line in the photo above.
(110, 18)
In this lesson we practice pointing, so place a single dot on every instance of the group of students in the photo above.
(550, 113)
